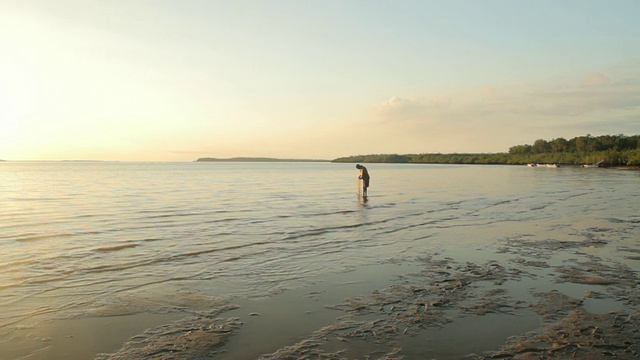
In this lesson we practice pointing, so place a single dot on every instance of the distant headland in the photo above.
(257, 159)
(607, 150)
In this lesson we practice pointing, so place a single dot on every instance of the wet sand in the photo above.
(524, 299)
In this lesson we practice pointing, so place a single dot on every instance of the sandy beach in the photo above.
(528, 300)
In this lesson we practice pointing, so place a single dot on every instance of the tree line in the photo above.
(614, 150)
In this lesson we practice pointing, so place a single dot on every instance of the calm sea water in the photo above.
(112, 241)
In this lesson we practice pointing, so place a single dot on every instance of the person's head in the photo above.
(358, 166)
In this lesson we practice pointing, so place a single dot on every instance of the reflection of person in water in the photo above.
(364, 175)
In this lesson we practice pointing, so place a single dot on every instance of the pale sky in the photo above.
(159, 80)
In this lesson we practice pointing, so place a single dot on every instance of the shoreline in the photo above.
(632, 168)
(551, 298)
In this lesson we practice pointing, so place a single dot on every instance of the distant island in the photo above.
(256, 159)
(612, 150)
(605, 150)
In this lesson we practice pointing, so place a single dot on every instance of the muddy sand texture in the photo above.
(445, 291)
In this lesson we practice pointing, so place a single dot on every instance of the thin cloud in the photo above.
(594, 79)
(586, 101)
(492, 117)
(410, 109)
(525, 102)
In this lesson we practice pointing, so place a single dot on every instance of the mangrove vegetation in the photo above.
(612, 150)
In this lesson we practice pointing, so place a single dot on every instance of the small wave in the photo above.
(131, 265)
(151, 239)
(207, 251)
(34, 237)
(10, 285)
(233, 258)
(540, 207)
(179, 215)
(336, 212)
(17, 263)
(35, 199)
(116, 247)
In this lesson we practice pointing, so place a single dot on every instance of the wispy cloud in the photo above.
(504, 114)
(594, 93)
(594, 79)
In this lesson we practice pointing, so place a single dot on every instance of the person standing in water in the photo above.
(364, 175)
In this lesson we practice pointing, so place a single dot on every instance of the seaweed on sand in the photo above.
(571, 332)
(371, 326)
(197, 337)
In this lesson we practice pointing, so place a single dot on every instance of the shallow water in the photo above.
(127, 246)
